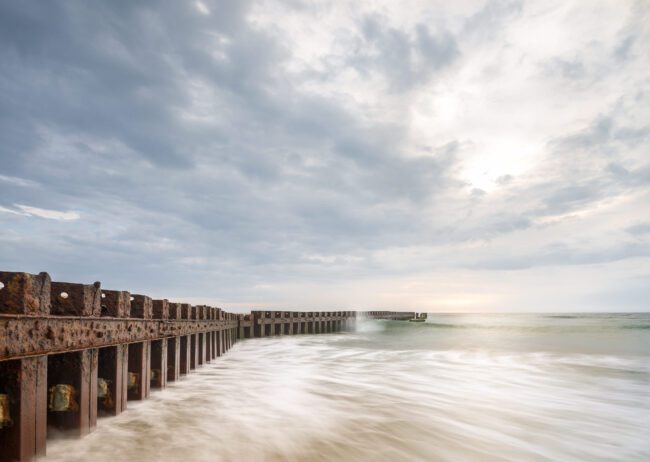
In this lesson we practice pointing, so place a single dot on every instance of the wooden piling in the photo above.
(185, 356)
(159, 351)
(113, 367)
(79, 370)
(208, 347)
(173, 359)
(25, 383)
(200, 353)
(140, 365)
(191, 347)
(24, 380)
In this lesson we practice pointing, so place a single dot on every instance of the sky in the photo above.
(466, 156)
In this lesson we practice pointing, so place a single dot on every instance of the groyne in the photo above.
(71, 353)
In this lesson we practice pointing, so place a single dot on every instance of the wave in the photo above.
(533, 323)
(562, 316)
(348, 397)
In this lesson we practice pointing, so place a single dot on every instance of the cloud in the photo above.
(404, 58)
(17, 181)
(28, 211)
(216, 147)
(202, 8)
(639, 229)
(7, 210)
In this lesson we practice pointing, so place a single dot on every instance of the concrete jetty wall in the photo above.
(70, 353)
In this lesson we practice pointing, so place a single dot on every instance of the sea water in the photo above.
(457, 388)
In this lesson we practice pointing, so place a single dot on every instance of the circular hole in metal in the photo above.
(103, 295)
(64, 295)
(2, 286)
(132, 298)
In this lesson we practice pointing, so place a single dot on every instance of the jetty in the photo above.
(395, 315)
(71, 353)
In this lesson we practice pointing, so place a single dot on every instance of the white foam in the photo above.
(323, 398)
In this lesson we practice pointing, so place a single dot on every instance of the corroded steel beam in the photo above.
(22, 336)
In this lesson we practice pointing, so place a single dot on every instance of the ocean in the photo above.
(460, 387)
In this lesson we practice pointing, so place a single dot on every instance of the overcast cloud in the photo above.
(430, 155)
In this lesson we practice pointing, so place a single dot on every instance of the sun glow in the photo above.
(496, 160)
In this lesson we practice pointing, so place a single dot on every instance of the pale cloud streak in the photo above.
(27, 211)
(17, 181)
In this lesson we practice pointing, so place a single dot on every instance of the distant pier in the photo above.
(391, 315)
(70, 353)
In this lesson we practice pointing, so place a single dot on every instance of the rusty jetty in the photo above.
(72, 352)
